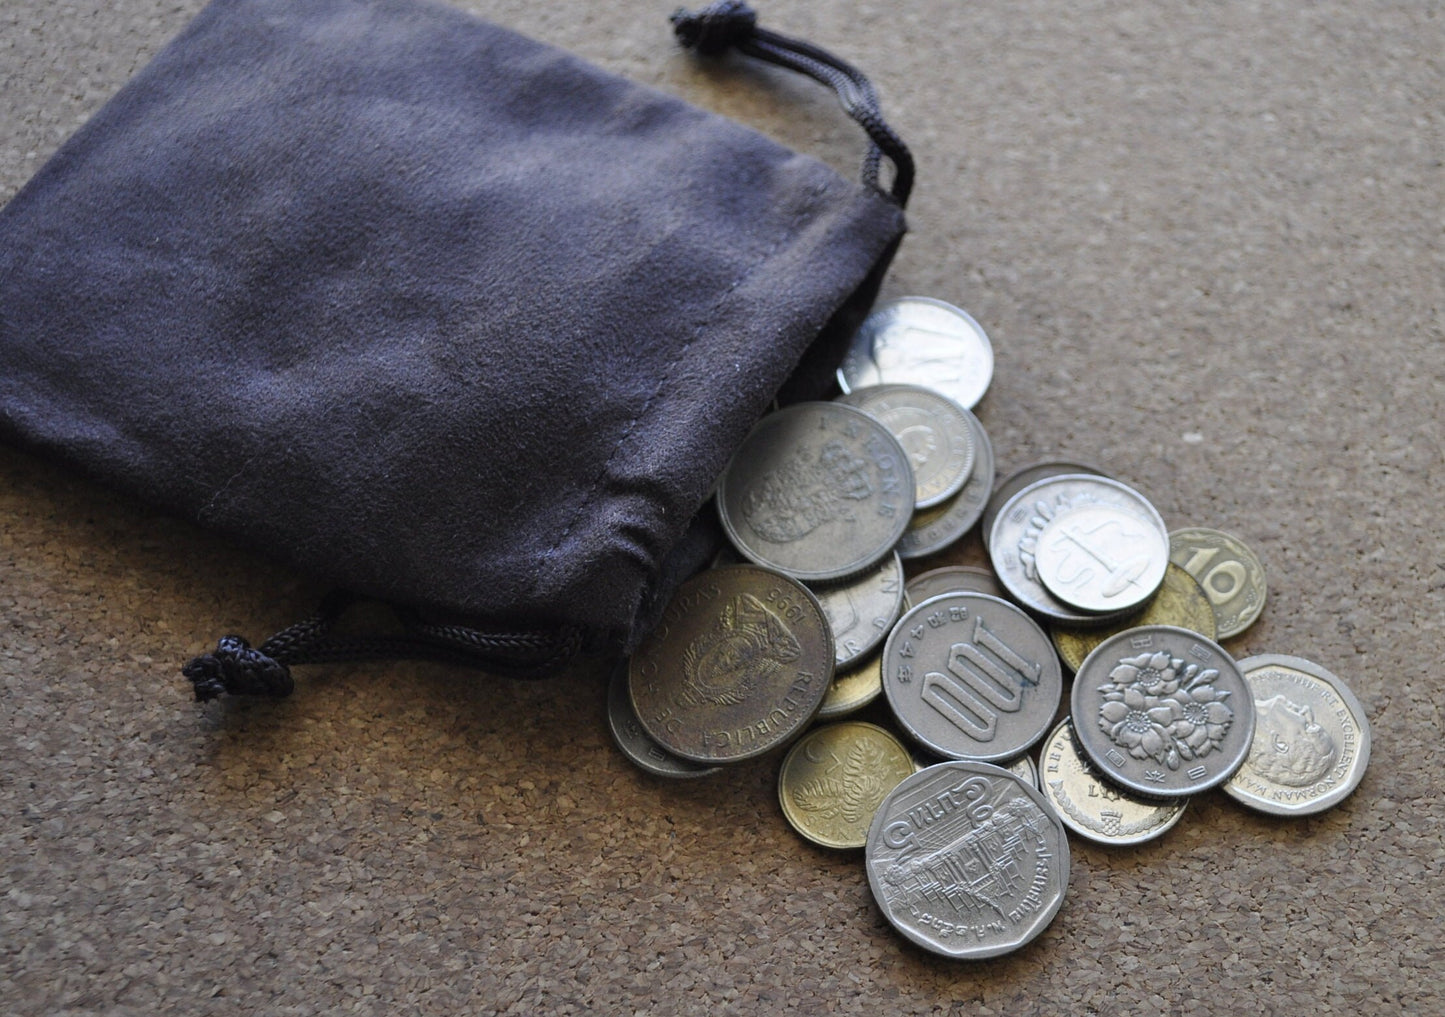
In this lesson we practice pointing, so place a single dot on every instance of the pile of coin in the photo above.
(965, 838)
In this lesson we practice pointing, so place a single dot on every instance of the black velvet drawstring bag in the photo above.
(440, 314)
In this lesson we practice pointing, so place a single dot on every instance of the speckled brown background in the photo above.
(1207, 241)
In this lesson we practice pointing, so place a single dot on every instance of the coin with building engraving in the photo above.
(921, 341)
(833, 779)
(821, 491)
(967, 860)
(933, 430)
(1020, 526)
(1162, 711)
(1311, 738)
(737, 666)
(1180, 601)
(970, 676)
(951, 579)
(854, 688)
(862, 610)
(1022, 478)
(1092, 807)
(634, 743)
(1230, 574)
(934, 529)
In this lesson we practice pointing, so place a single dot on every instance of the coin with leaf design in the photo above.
(834, 778)
(1162, 711)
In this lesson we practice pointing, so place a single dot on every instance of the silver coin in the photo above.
(1092, 807)
(1311, 738)
(967, 860)
(951, 579)
(921, 341)
(1022, 478)
(820, 491)
(1103, 559)
(1227, 570)
(861, 611)
(934, 529)
(934, 431)
(1162, 711)
(634, 742)
(1021, 523)
(970, 676)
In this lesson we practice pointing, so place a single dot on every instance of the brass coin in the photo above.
(1229, 572)
(738, 665)
(853, 689)
(834, 778)
(1180, 602)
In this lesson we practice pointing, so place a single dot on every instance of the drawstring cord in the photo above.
(732, 24)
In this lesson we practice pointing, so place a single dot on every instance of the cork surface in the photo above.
(1206, 240)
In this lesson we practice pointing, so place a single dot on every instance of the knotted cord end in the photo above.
(238, 669)
(716, 28)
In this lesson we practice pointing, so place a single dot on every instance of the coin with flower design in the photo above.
(1162, 711)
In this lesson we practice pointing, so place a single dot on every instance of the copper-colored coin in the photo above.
(833, 779)
(738, 665)
(1180, 601)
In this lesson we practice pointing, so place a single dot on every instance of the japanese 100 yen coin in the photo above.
(1162, 711)
(921, 341)
(834, 777)
(1022, 478)
(818, 490)
(634, 743)
(933, 430)
(969, 676)
(967, 860)
(1227, 570)
(1311, 738)
(1020, 525)
(738, 665)
(934, 529)
(862, 610)
(1094, 808)
(1179, 602)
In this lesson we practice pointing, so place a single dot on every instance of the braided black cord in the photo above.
(732, 24)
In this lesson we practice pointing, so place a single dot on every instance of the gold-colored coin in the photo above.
(854, 689)
(1230, 574)
(834, 779)
(1180, 602)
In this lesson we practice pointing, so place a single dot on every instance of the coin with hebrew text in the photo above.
(967, 860)
(737, 666)
(818, 490)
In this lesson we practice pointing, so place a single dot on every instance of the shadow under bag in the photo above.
(440, 314)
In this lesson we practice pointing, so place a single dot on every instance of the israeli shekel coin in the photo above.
(931, 530)
(951, 579)
(1093, 808)
(853, 689)
(1162, 711)
(1180, 601)
(833, 779)
(862, 610)
(1020, 524)
(970, 676)
(819, 490)
(921, 341)
(738, 665)
(1311, 738)
(933, 430)
(634, 743)
(1228, 571)
(967, 860)
(1103, 558)
(1022, 478)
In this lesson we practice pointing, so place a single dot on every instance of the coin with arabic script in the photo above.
(819, 490)
(967, 860)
